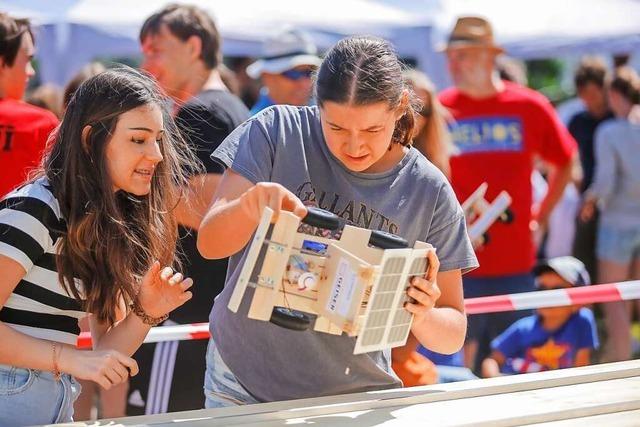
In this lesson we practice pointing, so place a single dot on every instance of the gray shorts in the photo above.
(619, 245)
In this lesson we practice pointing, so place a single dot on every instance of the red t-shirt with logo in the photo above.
(498, 138)
(24, 129)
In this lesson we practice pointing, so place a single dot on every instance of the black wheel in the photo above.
(320, 218)
(506, 217)
(290, 319)
(384, 240)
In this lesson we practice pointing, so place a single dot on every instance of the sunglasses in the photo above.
(297, 74)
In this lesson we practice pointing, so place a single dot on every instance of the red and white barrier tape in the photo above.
(193, 331)
(554, 298)
(494, 304)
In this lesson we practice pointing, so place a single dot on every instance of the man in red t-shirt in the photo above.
(24, 128)
(500, 128)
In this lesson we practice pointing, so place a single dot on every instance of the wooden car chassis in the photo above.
(345, 285)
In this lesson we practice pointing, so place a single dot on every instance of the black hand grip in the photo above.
(384, 240)
(320, 218)
(507, 216)
(485, 239)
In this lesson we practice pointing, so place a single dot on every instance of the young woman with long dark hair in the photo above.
(89, 234)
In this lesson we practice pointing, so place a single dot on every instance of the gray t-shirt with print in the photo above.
(285, 144)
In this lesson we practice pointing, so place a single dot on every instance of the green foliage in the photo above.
(545, 75)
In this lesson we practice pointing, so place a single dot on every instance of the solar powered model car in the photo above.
(315, 273)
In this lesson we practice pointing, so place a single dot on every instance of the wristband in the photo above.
(146, 319)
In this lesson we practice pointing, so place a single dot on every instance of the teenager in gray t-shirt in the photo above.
(350, 158)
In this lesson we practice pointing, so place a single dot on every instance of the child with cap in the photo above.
(554, 337)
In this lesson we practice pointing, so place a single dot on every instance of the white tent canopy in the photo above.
(73, 32)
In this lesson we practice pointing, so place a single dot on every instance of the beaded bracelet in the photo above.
(56, 355)
(146, 319)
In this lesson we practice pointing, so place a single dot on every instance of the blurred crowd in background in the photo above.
(572, 169)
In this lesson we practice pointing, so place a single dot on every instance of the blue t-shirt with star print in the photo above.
(528, 347)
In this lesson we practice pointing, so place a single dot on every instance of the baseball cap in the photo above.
(569, 268)
(283, 51)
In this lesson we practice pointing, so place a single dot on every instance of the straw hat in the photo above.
(472, 31)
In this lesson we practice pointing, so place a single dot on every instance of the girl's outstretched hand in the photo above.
(163, 290)
(424, 290)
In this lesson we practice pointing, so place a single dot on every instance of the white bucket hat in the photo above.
(283, 51)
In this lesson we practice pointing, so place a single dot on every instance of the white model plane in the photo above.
(480, 214)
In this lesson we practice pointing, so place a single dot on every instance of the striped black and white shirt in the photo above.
(30, 232)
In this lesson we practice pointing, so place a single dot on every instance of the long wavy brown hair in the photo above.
(112, 238)
(431, 135)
